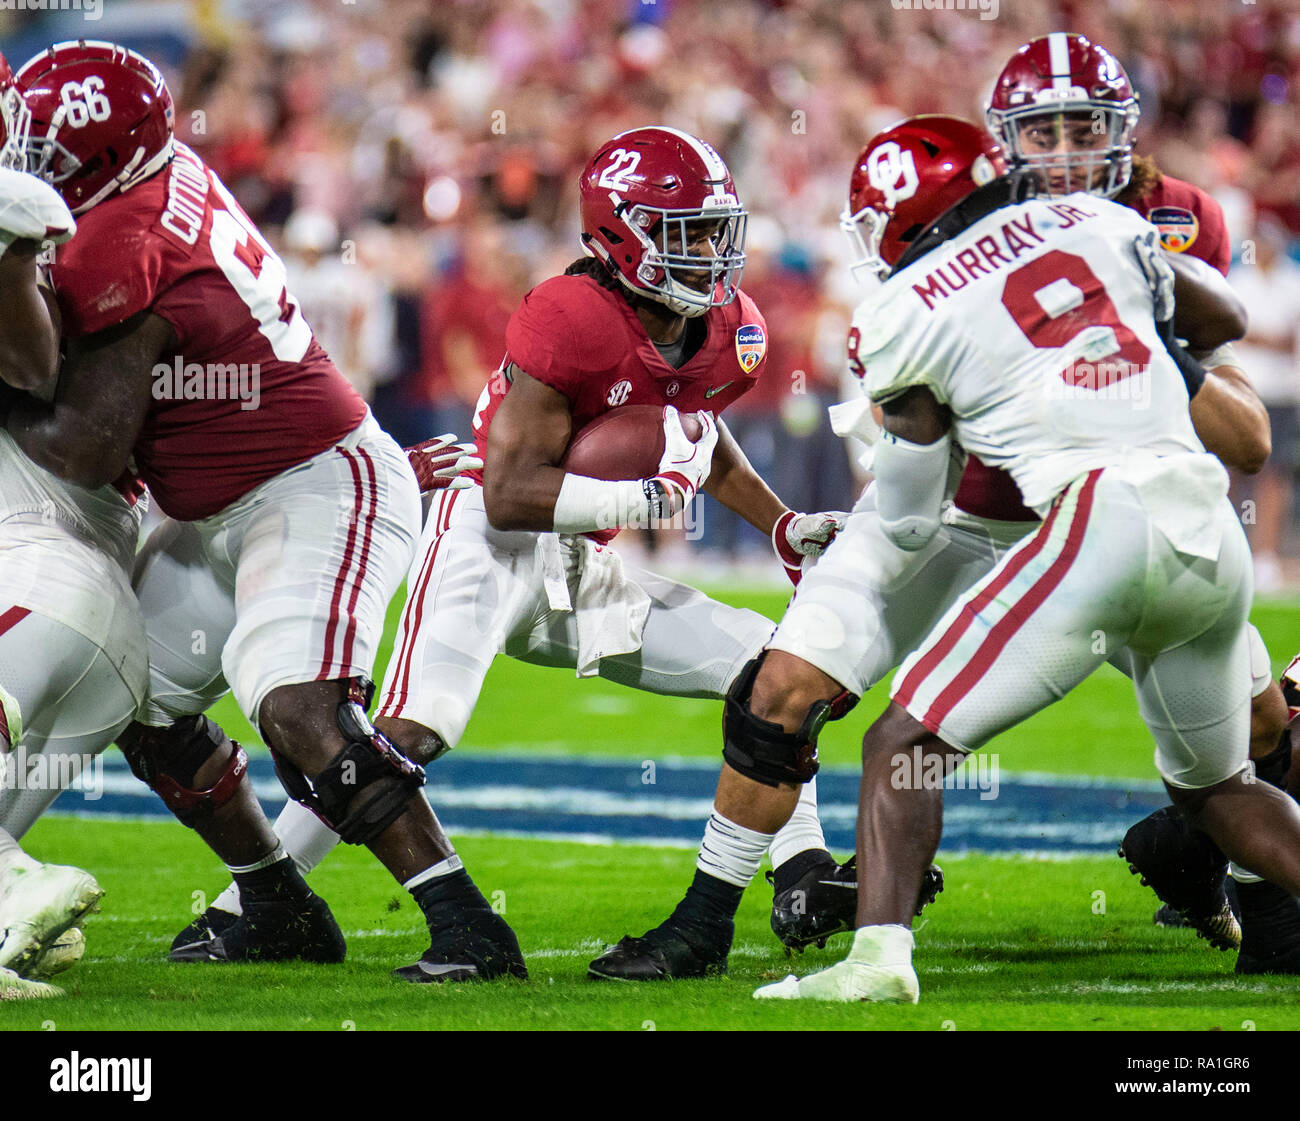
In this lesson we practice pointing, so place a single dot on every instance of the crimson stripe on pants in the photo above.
(1017, 615)
(12, 617)
(340, 581)
(414, 611)
(349, 636)
(949, 639)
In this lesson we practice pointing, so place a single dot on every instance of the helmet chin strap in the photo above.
(133, 173)
(669, 289)
(682, 307)
(672, 303)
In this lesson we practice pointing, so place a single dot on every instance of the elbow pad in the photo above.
(1193, 372)
(911, 481)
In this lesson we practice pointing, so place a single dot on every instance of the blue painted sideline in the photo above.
(668, 801)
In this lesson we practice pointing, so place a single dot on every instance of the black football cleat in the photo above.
(1185, 868)
(662, 954)
(284, 929)
(204, 929)
(1270, 929)
(1167, 916)
(470, 944)
(824, 901)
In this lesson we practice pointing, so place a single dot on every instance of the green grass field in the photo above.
(1013, 943)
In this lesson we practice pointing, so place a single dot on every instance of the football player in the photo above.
(823, 649)
(292, 515)
(73, 669)
(1064, 109)
(520, 564)
(1037, 334)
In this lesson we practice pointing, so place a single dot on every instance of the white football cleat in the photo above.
(64, 952)
(849, 981)
(37, 905)
(13, 987)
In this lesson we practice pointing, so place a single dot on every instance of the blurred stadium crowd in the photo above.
(419, 157)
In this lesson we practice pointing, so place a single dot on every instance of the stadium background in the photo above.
(430, 151)
(416, 162)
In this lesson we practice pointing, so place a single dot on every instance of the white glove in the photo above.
(1159, 276)
(684, 466)
(30, 208)
(797, 536)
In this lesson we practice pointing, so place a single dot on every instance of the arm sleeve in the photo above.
(910, 483)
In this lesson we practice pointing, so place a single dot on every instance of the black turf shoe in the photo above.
(205, 928)
(467, 944)
(824, 901)
(298, 928)
(1187, 871)
(1270, 929)
(1167, 916)
(662, 954)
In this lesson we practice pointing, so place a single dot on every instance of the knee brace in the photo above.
(764, 751)
(167, 759)
(366, 786)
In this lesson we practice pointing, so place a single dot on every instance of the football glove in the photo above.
(684, 466)
(1159, 276)
(441, 463)
(798, 536)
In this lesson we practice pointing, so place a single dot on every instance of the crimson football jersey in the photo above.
(249, 392)
(586, 342)
(1189, 221)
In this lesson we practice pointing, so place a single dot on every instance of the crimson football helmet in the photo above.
(1057, 79)
(15, 119)
(648, 196)
(102, 119)
(907, 177)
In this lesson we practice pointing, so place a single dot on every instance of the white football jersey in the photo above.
(1035, 326)
(67, 553)
(102, 517)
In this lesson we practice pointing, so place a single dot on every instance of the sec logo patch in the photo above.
(618, 393)
(1178, 227)
(751, 345)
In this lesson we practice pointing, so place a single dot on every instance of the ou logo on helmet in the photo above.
(85, 101)
(892, 171)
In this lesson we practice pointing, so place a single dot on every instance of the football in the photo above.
(624, 443)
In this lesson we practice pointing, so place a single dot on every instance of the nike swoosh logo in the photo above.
(838, 883)
(716, 390)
